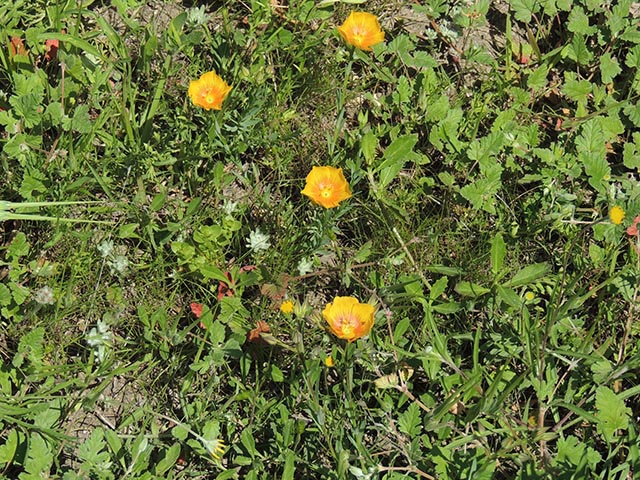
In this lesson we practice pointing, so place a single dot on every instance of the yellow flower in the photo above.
(209, 91)
(348, 318)
(286, 307)
(529, 296)
(218, 450)
(328, 361)
(616, 215)
(327, 186)
(362, 30)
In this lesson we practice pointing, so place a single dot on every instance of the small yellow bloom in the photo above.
(326, 186)
(218, 451)
(209, 91)
(616, 215)
(362, 30)
(348, 318)
(328, 361)
(286, 307)
(529, 296)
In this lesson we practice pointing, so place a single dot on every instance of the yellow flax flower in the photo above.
(616, 215)
(327, 186)
(209, 91)
(362, 30)
(286, 307)
(348, 318)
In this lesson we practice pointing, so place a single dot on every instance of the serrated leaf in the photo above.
(592, 152)
(368, 146)
(609, 68)
(527, 275)
(410, 421)
(538, 78)
(577, 90)
(632, 59)
(578, 22)
(611, 412)
(19, 246)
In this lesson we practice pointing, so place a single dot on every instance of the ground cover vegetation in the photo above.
(258, 239)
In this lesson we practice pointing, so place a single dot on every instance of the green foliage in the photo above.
(147, 245)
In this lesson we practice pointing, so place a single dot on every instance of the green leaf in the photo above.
(538, 78)
(524, 9)
(611, 412)
(276, 374)
(481, 193)
(368, 146)
(498, 252)
(469, 289)
(577, 90)
(8, 449)
(438, 288)
(410, 421)
(609, 68)
(169, 459)
(81, 120)
(592, 152)
(289, 466)
(527, 275)
(248, 442)
(39, 457)
(5, 295)
(28, 108)
(632, 59)
(19, 246)
(395, 156)
(578, 51)
(578, 22)
(509, 296)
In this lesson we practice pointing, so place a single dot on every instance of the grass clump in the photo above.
(402, 245)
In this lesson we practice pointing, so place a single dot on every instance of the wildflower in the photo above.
(633, 229)
(100, 339)
(362, 30)
(328, 361)
(209, 91)
(348, 318)
(529, 296)
(286, 307)
(326, 186)
(616, 215)
(44, 296)
(258, 241)
(214, 447)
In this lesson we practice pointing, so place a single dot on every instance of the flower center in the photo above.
(348, 324)
(326, 191)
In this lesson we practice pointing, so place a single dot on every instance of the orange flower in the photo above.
(362, 30)
(327, 186)
(348, 318)
(209, 91)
